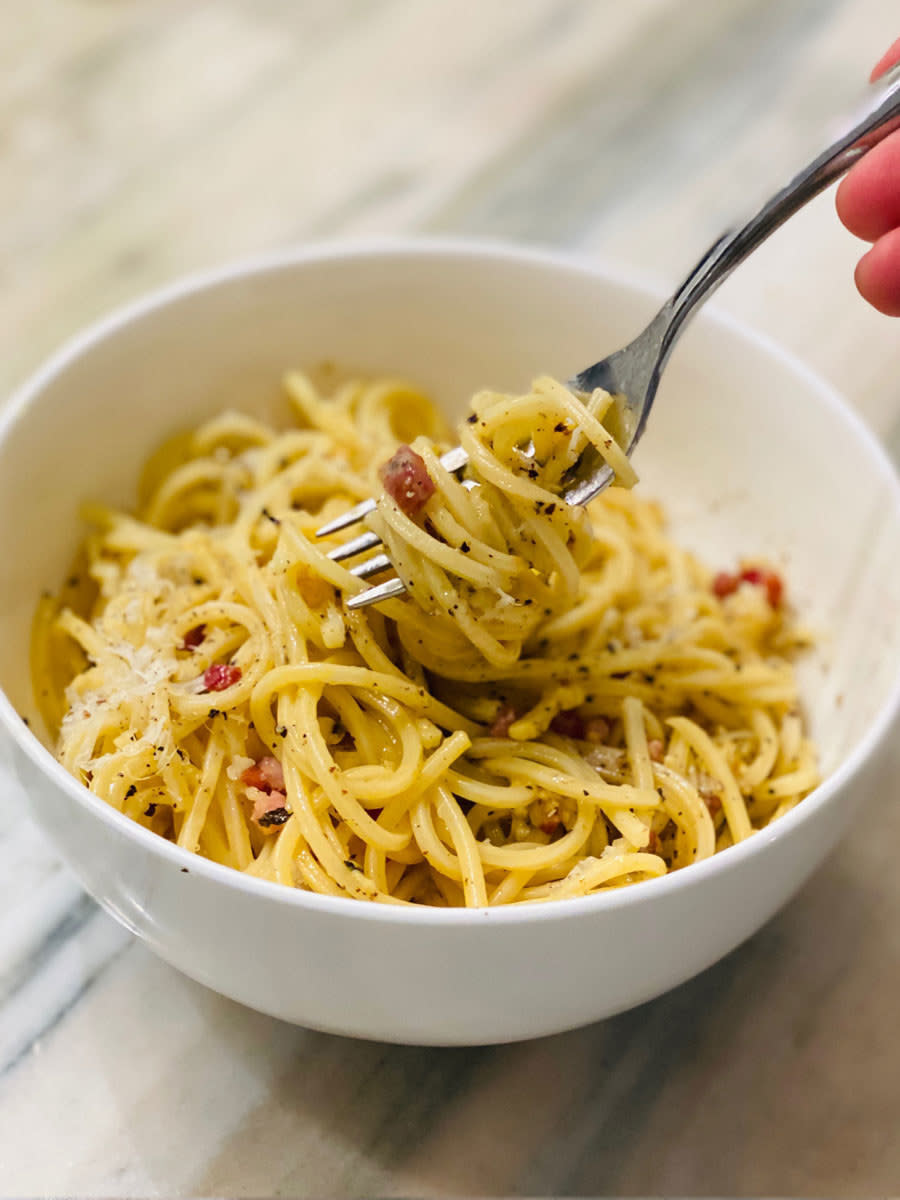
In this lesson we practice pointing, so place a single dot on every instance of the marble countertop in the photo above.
(143, 139)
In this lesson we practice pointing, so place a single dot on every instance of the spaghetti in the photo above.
(564, 702)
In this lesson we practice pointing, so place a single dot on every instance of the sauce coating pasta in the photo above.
(564, 702)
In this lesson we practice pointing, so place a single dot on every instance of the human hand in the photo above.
(868, 204)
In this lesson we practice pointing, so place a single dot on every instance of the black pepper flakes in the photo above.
(269, 517)
(275, 816)
(150, 810)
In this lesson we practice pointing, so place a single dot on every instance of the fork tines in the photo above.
(453, 460)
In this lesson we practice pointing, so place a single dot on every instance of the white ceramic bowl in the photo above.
(750, 452)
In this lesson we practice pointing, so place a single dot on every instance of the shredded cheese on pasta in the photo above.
(564, 702)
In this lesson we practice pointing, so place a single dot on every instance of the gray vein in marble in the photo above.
(34, 925)
(62, 971)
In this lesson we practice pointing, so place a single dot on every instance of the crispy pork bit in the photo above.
(656, 748)
(712, 801)
(770, 580)
(568, 723)
(266, 775)
(504, 718)
(710, 790)
(725, 583)
(406, 480)
(193, 637)
(220, 676)
(269, 809)
(264, 781)
(596, 729)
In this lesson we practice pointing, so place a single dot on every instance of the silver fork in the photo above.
(632, 374)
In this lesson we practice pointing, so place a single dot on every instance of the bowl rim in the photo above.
(439, 248)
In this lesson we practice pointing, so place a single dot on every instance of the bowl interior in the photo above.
(750, 453)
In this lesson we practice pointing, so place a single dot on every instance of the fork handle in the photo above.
(881, 118)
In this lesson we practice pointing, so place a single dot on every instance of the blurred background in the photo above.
(142, 139)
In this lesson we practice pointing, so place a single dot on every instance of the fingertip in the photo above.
(878, 275)
(868, 197)
(886, 61)
(845, 203)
